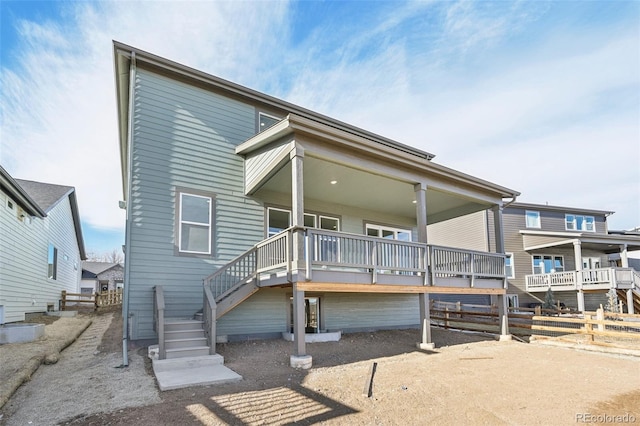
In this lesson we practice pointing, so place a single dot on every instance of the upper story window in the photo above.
(265, 121)
(195, 223)
(509, 269)
(533, 219)
(545, 264)
(574, 222)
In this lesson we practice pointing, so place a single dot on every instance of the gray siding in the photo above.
(184, 137)
(24, 283)
(554, 221)
(513, 222)
(466, 232)
(266, 312)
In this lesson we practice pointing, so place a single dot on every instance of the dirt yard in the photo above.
(468, 379)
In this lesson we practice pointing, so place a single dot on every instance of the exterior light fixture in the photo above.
(333, 182)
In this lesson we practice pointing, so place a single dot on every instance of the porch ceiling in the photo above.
(367, 190)
(533, 241)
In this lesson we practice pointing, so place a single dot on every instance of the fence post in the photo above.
(446, 317)
(459, 308)
(588, 327)
(64, 300)
(600, 317)
(538, 310)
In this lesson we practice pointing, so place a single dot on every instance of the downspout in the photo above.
(129, 215)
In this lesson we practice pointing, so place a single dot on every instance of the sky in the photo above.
(540, 97)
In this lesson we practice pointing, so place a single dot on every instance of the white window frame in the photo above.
(209, 225)
(542, 256)
(52, 262)
(393, 229)
(537, 223)
(273, 117)
(513, 266)
(572, 225)
(317, 219)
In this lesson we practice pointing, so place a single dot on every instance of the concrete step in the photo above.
(192, 371)
(185, 343)
(182, 324)
(187, 352)
(183, 334)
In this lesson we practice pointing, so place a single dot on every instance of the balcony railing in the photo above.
(588, 279)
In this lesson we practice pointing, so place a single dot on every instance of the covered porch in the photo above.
(354, 212)
(589, 274)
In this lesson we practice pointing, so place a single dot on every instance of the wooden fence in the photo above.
(97, 300)
(600, 327)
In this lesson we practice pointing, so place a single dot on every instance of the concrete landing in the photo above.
(181, 373)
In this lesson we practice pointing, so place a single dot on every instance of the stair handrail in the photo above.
(159, 306)
(249, 270)
(209, 318)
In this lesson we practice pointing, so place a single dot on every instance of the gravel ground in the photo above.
(468, 379)
(84, 381)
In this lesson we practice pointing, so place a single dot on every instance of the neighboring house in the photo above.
(41, 246)
(294, 220)
(563, 248)
(101, 276)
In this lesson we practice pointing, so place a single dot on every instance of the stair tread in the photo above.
(186, 339)
(186, 349)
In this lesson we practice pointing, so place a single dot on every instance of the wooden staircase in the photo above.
(622, 296)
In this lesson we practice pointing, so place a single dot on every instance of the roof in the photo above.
(41, 198)
(17, 192)
(127, 59)
(47, 195)
(560, 208)
(97, 267)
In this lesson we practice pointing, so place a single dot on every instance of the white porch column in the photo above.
(624, 258)
(423, 298)
(577, 254)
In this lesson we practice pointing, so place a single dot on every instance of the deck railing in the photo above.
(588, 279)
(451, 262)
(332, 250)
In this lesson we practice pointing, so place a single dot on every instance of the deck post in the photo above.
(624, 258)
(299, 359)
(581, 300)
(630, 307)
(425, 323)
(421, 215)
(503, 314)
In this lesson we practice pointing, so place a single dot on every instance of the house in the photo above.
(41, 246)
(566, 249)
(101, 276)
(292, 220)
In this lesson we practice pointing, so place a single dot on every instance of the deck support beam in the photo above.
(426, 342)
(299, 359)
(503, 314)
(630, 307)
(580, 296)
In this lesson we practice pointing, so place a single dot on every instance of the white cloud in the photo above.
(440, 76)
